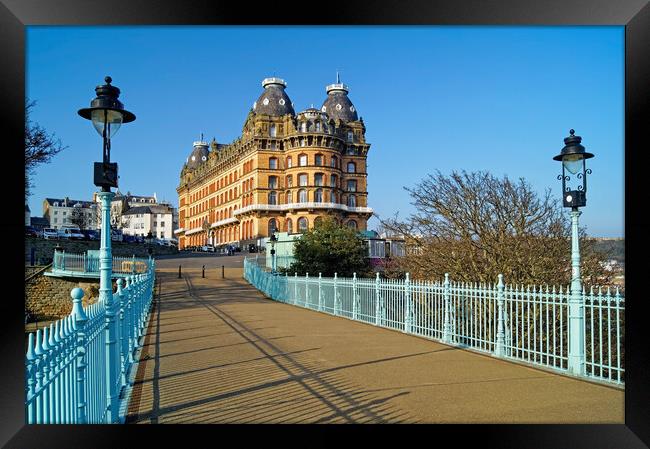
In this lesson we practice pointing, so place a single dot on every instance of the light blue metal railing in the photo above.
(529, 324)
(68, 363)
(88, 264)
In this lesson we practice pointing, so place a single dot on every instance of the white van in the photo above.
(71, 233)
(50, 233)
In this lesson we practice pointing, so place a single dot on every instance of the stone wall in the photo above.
(45, 248)
(48, 298)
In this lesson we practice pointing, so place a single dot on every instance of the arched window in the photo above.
(273, 198)
(318, 179)
(302, 224)
(335, 161)
(318, 127)
(352, 167)
(302, 179)
(350, 136)
(318, 196)
(289, 197)
(289, 226)
(333, 197)
(273, 163)
(273, 182)
(352, 201)
(333, 180)
(318, 159)
(302, 196)
(352, 224)
(289, 181)
(303, 127)
(302, 160)
(272, 132)
(289, 163)
(352, 185)
(273, 226)
(318, 221)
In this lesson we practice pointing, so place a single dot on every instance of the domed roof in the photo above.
(337, 104)
(199, 155)
(274, 100)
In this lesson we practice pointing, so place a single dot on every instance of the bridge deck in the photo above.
(217, 351)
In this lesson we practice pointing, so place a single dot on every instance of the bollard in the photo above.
(203, 272)
(223, 272)
(179, 272)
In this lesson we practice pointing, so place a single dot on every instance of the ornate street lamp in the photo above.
(107, 114)
(273, 239)
(573, 157)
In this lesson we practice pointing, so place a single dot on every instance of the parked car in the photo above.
(207, 248)
(71, 233)
(50, 233)
(90, 234)
(116, 235)
(30, 231)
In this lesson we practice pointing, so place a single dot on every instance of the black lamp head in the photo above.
(572, 147)
(107, 99)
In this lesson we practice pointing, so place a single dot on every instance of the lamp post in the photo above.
(273, 239)
(573, 157)
(107, 114)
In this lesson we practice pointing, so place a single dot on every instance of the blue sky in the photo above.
(499, 99)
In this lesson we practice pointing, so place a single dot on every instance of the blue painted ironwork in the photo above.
(77, 367)
(526, 324)
(87, 265)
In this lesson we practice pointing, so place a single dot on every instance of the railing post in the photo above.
(79, 320)
(129, 319)
(446, 327)
(30, 411)
(63, 260)
(377, 302)
(307, 290)
(320, 299)
(336, 296)
(295, 288)
(499, 349)
(407, 304)
(354, 296)
(123, 339)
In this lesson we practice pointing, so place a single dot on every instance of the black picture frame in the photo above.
(15, 15)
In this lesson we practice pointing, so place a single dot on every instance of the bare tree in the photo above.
(475, 226)
(40, 147)
(79, 218)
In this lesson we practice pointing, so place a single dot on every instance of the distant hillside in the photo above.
(613, 249)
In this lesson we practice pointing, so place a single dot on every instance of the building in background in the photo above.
(140, 220)
(70, 213)
(284, 173)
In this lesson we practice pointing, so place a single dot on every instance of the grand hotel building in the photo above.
(284, 173)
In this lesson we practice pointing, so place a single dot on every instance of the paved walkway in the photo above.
(217, 351)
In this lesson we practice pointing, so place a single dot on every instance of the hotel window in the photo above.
(351, 150)
(302, 224)
(273, 226)
(352, 167)
(350, 136)
(318, 196)
(333, 180)
(274, 146)
(273, 182)
(302, 196)
(289, 181)
(289, 162)
(302, 142)
(352, 185)
(352, 224)
(273, 197)
(289, 226)
(318, 126)
(352, 201)
(303, 127)
(273, 163)
(335, 161)
(333, 197)
(318, 159)
(289, 197)
(302, 160)
(272, 131)
(318, 179)
(302, 179)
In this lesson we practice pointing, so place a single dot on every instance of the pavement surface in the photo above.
(218, 351)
